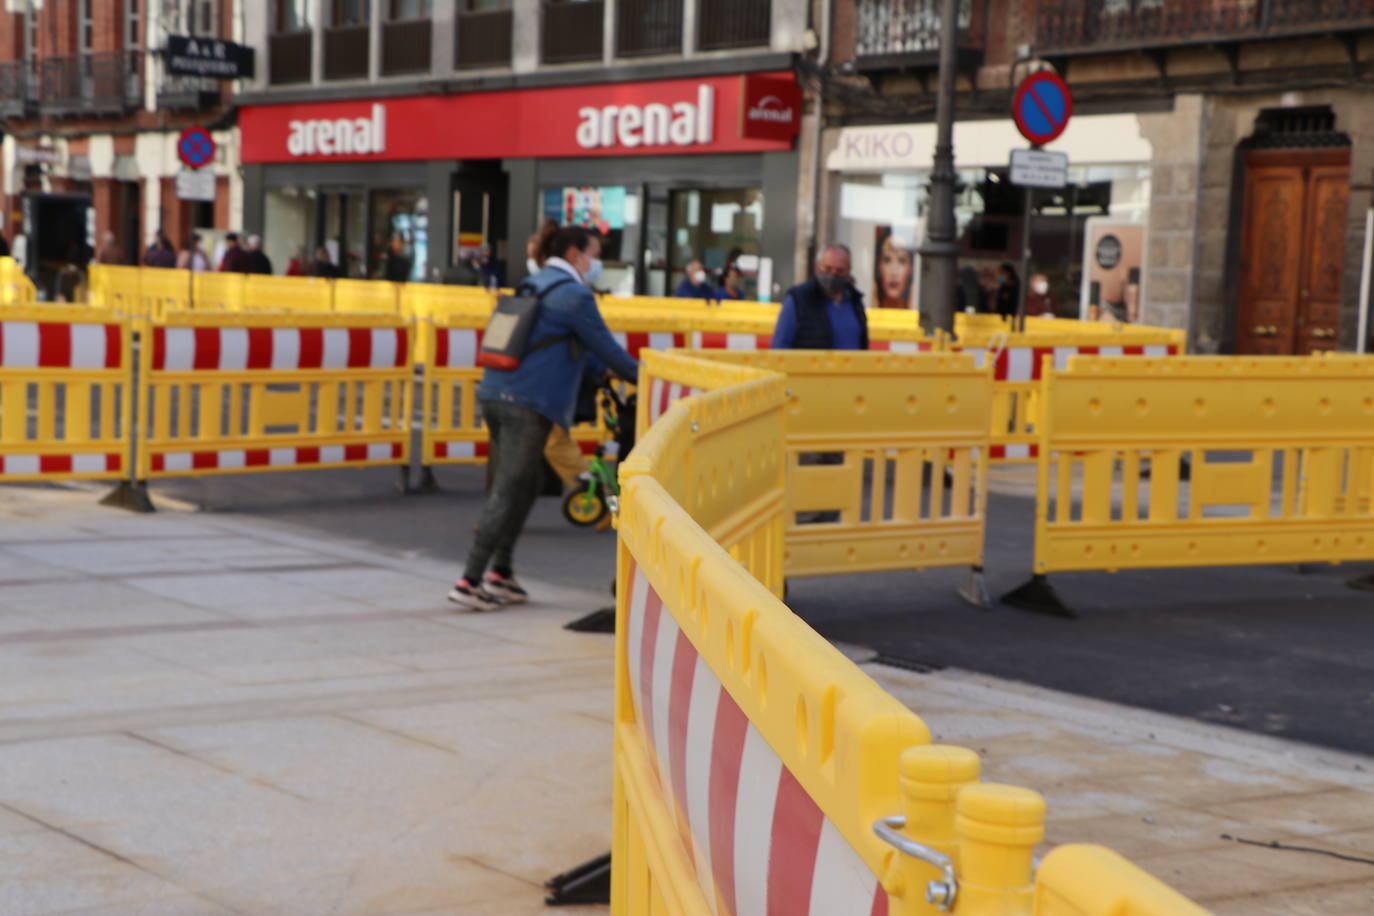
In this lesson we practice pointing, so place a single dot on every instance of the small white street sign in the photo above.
(198, 184)
(1038, 168)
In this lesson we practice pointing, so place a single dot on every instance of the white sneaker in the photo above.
(473, 598)
(505, 589)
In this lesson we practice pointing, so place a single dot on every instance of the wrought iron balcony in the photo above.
(406, 46)
(346, 52)
(91, 84)
(288, 57)
(1067, 27)
(187, 93)
(648, 27)
(906, 34)
(16, 89)
(733, 24)
(573, 31)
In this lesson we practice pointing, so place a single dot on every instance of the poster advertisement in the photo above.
(1113, 265)
(894, 270)
(600, 208)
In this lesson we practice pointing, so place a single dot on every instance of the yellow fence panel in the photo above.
(66, 377)
(306, 295)
(452, 430)
(1078, 880)
(373, 296)
(1205, 461)
(15, 286)
(217, 292)
(245, 393)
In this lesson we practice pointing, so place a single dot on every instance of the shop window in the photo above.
(398, 247)
(408, 9)
(289, 47)
(614, 212)
(292, 16)
(717, 227)
(349, 12)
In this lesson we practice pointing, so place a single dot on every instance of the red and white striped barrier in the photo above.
(1026, 364)
(182, 349)
(663, 394)
(759, 843)
(170, 462)
(58, 345)
(456, 348)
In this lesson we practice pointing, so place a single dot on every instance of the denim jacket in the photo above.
(547, 379)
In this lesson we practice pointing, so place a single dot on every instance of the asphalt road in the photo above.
(1267, 649)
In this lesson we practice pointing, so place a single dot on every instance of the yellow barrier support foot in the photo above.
(975, 589)
(602, 621)
(589, 882)
(1363, 583)
(1039, 597)
(131, 495)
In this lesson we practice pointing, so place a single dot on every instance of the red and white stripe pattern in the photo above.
(720, 340)
(758, 842)
(282, 349)
(663, 394)
(635, 341)
(102, 463)
(457, 348)
(1026, 364)
(460, 450)
(59, 345)
(173, 462)
(902, 346)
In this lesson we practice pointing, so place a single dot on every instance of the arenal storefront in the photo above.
(668, 170)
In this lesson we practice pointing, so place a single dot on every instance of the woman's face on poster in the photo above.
(894, 271)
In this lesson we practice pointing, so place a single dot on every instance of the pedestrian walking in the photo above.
(521, 406)
(192, 257)
(396, 267)
(731, 285)
(826, 312)
(160, 253)
(1039, 302)
(258, 261)
(695, 285)
(109, 251)
(1008, 296)
(235, 260)
(299, 263)
(323, 266)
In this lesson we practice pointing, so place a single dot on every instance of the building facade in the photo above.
(1219, 154)
(400, 136)
(92, 118)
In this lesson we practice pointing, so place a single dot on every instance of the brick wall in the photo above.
(108, 16)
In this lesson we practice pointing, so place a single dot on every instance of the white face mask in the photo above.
(1041, 288)
(699, 277)
(531, 266)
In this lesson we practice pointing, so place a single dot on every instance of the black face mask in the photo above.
(832, 284)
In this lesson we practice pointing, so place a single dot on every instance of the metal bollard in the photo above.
(999, 827)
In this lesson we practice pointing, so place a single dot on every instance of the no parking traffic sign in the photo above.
(1042, 107)
(195, 147)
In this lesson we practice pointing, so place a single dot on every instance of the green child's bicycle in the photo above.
(598, 488)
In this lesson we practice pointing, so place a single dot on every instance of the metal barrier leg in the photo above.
(1039, 597)
(589, 882)
(1362, 583)
(975, 589)
(132, 493)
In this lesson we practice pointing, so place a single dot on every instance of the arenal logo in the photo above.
(770, 108)
(655, 124)
(339, 136)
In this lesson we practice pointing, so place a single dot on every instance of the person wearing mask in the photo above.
(695, 284)
(396, 267)
(826, 312)
(323, 266)
(1008, 297)
(192, 257)
(160, 253)
(731, 285)
(1038, 300)
(521, 406)
(109, 252)
(235, 260)
(258, 261)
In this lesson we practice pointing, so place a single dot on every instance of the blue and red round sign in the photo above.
(195, 147)
(1042, 107)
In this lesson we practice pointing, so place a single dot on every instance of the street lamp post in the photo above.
(940, 254)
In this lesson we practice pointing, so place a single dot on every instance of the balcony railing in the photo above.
(289, 57)
(187, 93)
(484, 39)
(574, 31)
(406, 46)
(98, 84)
(345, 52)
(907, 32)
(16, 89)
(1065, 26)
(648, 27)
(723, 24)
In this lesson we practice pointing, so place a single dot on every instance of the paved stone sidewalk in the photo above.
(202, 714)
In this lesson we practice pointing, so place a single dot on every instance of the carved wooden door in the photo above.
(1293, 254)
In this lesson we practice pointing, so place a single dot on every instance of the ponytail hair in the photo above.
(534, 248)
(557, 243)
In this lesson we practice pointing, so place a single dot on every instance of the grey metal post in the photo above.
(940, 254)
(1020, 323)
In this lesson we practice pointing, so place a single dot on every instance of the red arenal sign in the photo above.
(729, 114)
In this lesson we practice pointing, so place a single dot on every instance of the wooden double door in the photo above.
(1293, 252)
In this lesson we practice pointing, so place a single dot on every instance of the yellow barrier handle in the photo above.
(999, 827)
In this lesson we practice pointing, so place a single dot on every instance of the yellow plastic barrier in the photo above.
(377, 297)
(756, 769)
(225, 394)
(1091, 881)
(15, 286)
(66, 376)
(297, 295)
(452, 430)
(217, 292)
(905, 486)
(1249, 460)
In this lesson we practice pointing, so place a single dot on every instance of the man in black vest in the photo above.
(826, 312)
